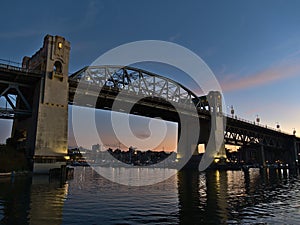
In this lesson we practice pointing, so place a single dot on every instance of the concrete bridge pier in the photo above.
(216, 144)
(262, 154)
(292, 154)
(212, 135)
(47, 129)
(296, 152)
(187, 148)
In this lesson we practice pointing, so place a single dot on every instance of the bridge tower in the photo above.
(214, 99)
(47, 129)
(212, 134)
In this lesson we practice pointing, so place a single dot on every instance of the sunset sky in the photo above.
(253, 47)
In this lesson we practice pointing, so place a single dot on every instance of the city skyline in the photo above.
(253, 48)
(106, 132)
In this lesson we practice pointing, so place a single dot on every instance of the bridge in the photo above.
(38, 93)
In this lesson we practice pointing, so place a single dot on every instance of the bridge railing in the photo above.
(9, 62)
(10, 65)
(254, 123)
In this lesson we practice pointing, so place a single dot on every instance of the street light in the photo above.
(232, 111)
(257, 119)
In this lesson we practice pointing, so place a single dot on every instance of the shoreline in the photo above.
(14, 173)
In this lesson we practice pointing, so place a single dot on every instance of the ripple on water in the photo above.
(213, 197)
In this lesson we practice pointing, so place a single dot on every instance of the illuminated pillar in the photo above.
(217, 143)
(47, 139)
(52, 126)
(188, 138)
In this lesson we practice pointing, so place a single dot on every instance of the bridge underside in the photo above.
(154, 96)
(17, 88)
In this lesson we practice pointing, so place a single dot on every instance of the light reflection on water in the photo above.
(213, 197)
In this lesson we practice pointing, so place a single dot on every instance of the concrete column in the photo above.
(296, 153)
(217, 143)
(215, 147)
(188, 139)
(263, 159)
(292, 154)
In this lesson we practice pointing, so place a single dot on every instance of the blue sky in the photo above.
(253, 47)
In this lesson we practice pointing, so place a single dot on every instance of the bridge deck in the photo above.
(12, 75)
(26, 79)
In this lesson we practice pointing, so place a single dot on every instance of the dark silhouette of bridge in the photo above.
(38, 93)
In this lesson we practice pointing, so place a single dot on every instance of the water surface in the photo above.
(189, 197)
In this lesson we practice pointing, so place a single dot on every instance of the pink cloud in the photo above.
(280, 72)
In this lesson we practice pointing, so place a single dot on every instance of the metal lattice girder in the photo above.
(9, 101)
(17, 81)
(242, 136)
(19, 93)
(14, 110)
(137, 82)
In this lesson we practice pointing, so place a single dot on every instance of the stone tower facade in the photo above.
(47, 129)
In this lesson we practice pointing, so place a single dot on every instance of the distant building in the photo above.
(96, 148)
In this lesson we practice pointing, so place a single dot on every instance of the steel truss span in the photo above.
(237, 135)
(136, 82)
